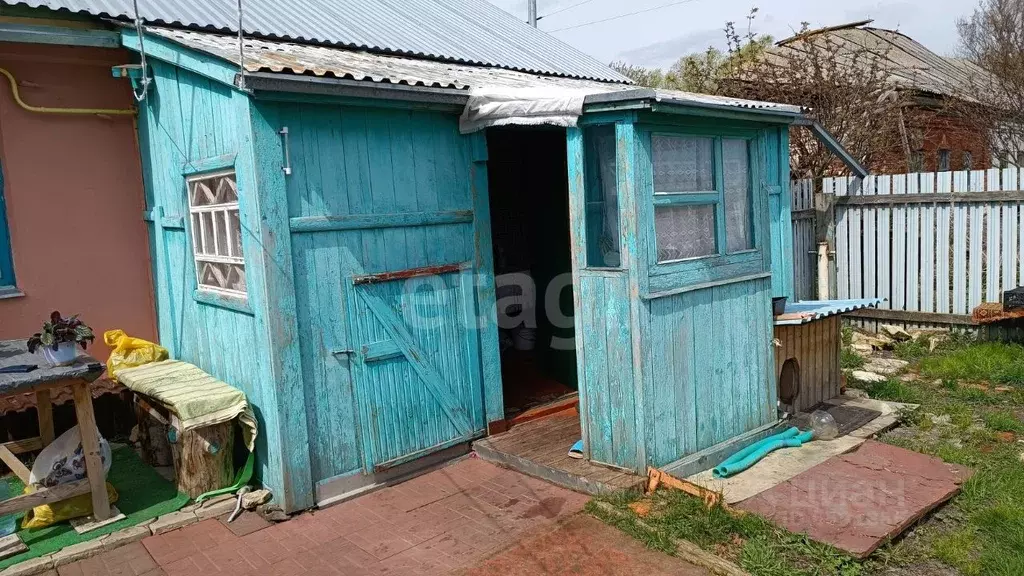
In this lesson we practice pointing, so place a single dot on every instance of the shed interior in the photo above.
(529, 205)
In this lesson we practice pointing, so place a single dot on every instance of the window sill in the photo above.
(235, 303)
(10, 292)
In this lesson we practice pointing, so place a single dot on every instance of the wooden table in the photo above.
(79, 375)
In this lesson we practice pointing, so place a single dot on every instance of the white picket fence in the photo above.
(937, 244)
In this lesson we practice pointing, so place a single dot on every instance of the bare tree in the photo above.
(992, 51)
(844, 85)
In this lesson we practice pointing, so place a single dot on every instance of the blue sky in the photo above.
(659, 37)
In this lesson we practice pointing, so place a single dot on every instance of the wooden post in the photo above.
(45, 410)
(91, 449)
(825, 231)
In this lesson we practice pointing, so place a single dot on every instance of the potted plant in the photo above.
(58, 338)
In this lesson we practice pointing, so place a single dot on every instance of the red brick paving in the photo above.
(583, 546)
(858, 500)
(450, 519)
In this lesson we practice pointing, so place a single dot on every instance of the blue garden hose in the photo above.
(750, 455)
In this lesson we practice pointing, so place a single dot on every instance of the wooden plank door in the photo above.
(416, 363)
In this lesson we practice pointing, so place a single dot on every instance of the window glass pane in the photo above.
(235, 227)
(197, 235)
(221, 230)
(684, 231)
(683, 164)
(736, 175)
(602, 197)
(207, 233)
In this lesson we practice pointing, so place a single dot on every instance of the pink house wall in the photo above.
(74, 194)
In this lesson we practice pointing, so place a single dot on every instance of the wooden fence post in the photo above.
(825, 232)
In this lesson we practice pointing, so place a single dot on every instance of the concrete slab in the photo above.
(774, 469)
(89, 523)
(786, 463)
(857, 501)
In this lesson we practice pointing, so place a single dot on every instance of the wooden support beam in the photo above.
(24, 445)
(91, 447)
(911, 316)
(44, 407)
(942, 198)
(45, 496)
(17, 466)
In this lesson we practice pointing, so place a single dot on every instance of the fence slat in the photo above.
(942, 303)
(868, 241)
(975, 234)
(883, 244)
(993, 238)
(927, 258)
(842, 244)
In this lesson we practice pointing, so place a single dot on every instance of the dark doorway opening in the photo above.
(529, 198)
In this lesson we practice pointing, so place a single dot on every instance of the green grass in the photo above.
(979, 533)
(850, 360)
(993, 362)
(142, 495)
(748, 540)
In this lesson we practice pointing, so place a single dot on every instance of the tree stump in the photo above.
(197, 470)
(151, 435)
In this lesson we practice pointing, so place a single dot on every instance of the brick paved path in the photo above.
(450, 520)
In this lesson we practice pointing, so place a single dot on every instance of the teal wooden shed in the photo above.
(325, 238)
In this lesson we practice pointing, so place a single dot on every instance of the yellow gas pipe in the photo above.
(48, 110)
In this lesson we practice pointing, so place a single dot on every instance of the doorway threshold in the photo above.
(540, 448)
(568, 402)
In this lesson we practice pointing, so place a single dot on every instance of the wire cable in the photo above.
(140, 30)
(609, 19)
(560, 10)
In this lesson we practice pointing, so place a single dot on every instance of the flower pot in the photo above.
(64, 354)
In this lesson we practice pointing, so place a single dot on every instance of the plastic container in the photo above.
(779, 305)
(824, 425)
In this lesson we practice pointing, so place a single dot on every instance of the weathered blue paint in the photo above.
(675, 358)
(776, 142)
(392, 368)
(159, 48)
(60, 35)
(188, 123)
(356, 362)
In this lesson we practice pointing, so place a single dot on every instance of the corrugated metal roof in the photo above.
(287, 58)
(466, 31)
(812, 310)
(689, 98)
(909, 63)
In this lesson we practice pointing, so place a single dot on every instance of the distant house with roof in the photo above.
(933, 137)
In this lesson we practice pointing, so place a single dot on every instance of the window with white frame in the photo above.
(216, 233)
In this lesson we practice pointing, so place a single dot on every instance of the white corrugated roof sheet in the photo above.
(288, 58)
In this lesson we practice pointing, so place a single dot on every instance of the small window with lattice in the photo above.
(216, 233)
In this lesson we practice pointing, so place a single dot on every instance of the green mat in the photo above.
(143, 494)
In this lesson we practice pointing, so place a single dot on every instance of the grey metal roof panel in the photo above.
(689, 98)
(287, 59)
(465, 31)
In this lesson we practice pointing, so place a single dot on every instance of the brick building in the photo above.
(932, 137)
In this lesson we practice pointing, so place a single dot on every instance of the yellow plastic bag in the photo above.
(129, 352)
(74, 507)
